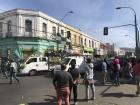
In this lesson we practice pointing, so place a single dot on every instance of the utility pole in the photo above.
(136, 31)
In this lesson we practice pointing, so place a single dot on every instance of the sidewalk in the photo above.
(110, 94)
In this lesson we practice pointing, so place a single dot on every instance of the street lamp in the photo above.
(58, 34)
(136, 30)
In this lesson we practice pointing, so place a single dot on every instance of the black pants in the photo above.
(74, 93)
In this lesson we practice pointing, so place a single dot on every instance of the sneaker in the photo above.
(93, 98)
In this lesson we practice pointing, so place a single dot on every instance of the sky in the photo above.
(90, 16)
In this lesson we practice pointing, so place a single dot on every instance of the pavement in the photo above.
(110, 94)
(38, 90)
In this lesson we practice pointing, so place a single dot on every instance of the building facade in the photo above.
(26, 32)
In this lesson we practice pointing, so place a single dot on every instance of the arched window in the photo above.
(74, 39)
(1, 27)
(45, 28)
(62, 32)
(81, 41)
(28, 25)
(54, 31)
(9, 26)
(85, 42)
(92, 44)
(89, 44)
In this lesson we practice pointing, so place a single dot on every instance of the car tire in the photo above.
(32, 72)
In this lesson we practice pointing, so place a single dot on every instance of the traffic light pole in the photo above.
(136, 30)
(106, 28)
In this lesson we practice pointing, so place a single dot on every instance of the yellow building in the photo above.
(75, 40)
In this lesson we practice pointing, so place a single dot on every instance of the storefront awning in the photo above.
(87, 49)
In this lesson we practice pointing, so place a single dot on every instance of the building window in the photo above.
(53, 30)
(79, 40)
(74, 39)
(9, 26)
(89, 44)
(28, 25)
(93, 44)
(0, 26)
(62, 32)
(85, 42)
(68, 34)
(44, 28)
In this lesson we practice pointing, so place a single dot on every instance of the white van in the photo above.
(80, 63)
(34, 64)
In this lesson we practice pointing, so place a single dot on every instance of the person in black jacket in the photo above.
(75, 75)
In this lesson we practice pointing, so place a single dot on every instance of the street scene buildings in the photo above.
(27, 32)
(69, 52)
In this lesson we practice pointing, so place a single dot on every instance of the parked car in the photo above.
(80, 63)
(34, 64)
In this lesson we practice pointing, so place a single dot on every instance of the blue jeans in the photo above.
(13, 75)
(116, 76)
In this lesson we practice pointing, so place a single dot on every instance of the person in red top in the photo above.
(136, 70)
(116, 66)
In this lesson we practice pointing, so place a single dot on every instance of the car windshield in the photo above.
(65, 61)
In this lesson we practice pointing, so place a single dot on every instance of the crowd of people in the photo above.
(116, 69)
(66, 81)
(129, 70)
(9, 69)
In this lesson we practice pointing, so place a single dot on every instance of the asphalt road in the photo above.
(38, 90)
(33, 89)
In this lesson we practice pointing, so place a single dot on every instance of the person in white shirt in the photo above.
(13, 71)
(89, 81)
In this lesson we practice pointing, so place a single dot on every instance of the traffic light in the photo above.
(105, 31)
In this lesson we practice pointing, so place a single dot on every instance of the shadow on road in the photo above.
(51, 100)
(4, 83)
(118, 95)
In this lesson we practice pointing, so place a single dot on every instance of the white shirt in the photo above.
(14, 65)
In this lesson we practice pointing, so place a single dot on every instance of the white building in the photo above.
(25, 32)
